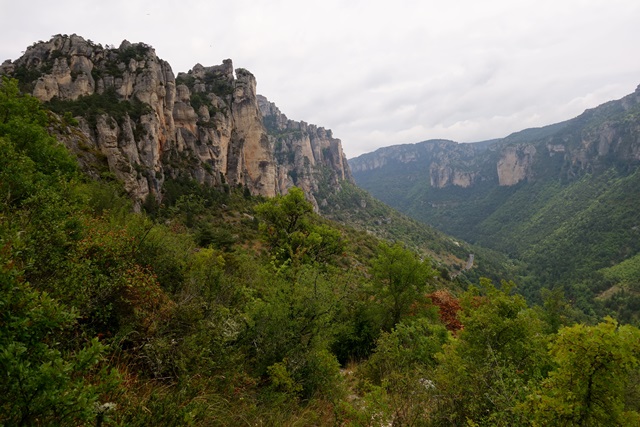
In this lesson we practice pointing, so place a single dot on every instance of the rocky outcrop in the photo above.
(399, 154)
(218, 124)
(611, 137)
(515, 164)
(447, 162)
(444, 175)
(205, 124)
(307, 156)
(123, 98)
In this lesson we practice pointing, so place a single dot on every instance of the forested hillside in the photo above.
(220, 308)
(561, 200)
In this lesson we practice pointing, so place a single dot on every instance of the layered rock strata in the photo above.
(150, 125)
(307, 156)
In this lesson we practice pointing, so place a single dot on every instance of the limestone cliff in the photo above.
(218, 123)
(446, 162)
(68, 68)
(515, 164)
(307, 156)
(150, 126)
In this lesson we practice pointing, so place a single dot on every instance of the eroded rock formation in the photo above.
(307, 156)
(205, 124)
(515, 164)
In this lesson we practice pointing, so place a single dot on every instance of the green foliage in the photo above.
(400, 280)
(100, 276)
(174, 189)
(293, 233)
(358, 326)
(17, 175)
(136, 51)
(198, 99)
(587, 386)
(45, 381)
(402, 365)
(573, 215)
(218, 84)
(185, 79)
(593, 237)
(564, 232)
(556, 309)
(220, 238)
(354, 206)
(410, 347)
(26, 76)
(291, 330)
(627, 272)
(106, 103)
(22, 121)
(484, 374)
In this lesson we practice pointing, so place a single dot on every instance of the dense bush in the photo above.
(106, 103)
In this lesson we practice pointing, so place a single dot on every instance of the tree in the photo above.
(448, 308)
(593, 367)
(402, 366)
(293, 231)
(555, 309)
(484, 373)
(290, 329)
(399, 279)
(44, 380)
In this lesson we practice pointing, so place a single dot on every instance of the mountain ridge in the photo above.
(559, 198)
(591, 137)
(150, 125)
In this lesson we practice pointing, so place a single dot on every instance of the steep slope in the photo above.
(358, 209)
(149, 126)
(562, 197)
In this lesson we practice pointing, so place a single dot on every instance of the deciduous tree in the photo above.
(400, 279)
(593, 366)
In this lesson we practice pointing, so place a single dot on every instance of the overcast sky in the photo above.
(376, 72)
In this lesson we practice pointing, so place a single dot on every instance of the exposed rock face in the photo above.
(611, 137)
(205, 124)
(515, 164)
(218, 123)
(405, 154)
(447, 162)
(308, 156)
(442, 176)
(68, 68)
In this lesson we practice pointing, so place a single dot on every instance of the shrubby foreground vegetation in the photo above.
(218, 308)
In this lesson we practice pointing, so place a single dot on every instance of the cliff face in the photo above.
(444, 162)
(205, 124)
(66, 69)
(307, 156)
(515, 164)
(218, 121)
